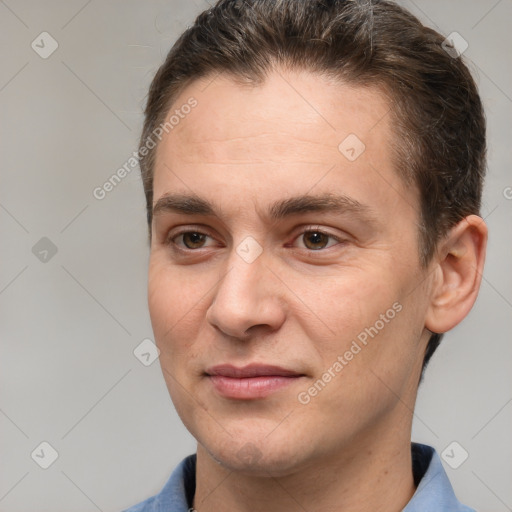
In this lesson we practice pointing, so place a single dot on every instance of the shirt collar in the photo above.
(433, 492)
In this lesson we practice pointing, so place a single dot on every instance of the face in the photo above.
(287, 296)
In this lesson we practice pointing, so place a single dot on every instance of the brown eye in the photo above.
(193, 240)
(315, 240)
(189, 240)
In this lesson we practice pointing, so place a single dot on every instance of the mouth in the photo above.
(250, 382)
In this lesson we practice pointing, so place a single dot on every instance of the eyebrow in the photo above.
(191, 204)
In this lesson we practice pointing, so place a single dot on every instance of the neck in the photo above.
(373, 473)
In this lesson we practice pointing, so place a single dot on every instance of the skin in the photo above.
(298, 306)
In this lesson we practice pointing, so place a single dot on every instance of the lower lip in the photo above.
(250, 387)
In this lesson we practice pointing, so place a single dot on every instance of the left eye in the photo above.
(316, 240)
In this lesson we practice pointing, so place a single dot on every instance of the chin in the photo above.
(253, 444)
(257, 456)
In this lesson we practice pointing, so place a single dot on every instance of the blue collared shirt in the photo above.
(434, 492)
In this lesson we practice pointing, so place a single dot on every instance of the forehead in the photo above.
(288, 106)
(296, 131)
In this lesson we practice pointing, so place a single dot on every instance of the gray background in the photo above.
(69, 324)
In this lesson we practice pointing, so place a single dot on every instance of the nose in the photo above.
(248, 299)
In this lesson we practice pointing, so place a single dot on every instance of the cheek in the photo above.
(372, 322)
(175, 302)
(366, 370)
(172, 293)
(344, 305)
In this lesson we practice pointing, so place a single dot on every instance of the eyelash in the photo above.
(310, 229)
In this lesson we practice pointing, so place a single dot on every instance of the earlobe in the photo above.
(459, 261)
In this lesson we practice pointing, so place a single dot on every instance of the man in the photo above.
(313, 173)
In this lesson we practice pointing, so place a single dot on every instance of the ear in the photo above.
(459, 263)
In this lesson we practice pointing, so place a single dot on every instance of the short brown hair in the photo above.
(437, 114)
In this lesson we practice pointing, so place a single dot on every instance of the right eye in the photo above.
(190, 240)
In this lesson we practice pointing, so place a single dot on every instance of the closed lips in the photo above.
(251, 371)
